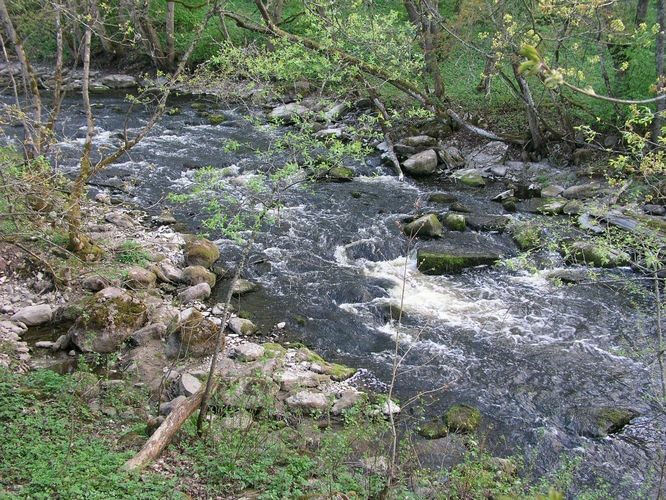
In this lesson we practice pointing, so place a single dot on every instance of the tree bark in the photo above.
(78, 243)
(658, 121)
(171, 33)
(538, 142)
(422, 17)
(641, 11)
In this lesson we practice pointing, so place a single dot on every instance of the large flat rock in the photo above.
(457, 251)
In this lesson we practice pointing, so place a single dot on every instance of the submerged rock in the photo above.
(455, 222)
(242, 286)
(470, 177)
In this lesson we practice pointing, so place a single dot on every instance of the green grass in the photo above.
(131, 252)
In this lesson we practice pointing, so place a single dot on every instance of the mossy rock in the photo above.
(174, 111)
(441, 198)
(596, 254)
(455, 222)
(336, 371)
(433, 430)
(197, 335)
(471, 178)
(216, 119)
(427, 225)
(463, 418)
(201, 252)
(434, 262)
(273, 350)
(339, 174)
(526, 235)
(193, 275)
(109, 317)
(598, 422)
(198, 106)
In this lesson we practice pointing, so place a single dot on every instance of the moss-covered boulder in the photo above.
(201, 252)
(470, 177)
(433, 430)
(441, 198)
(338, 174)
(425, 226)
(216, 119)
(452, 260)
(194, 335)
(463, 418)
(193, 275)
(138, 277)
(336, 371)
(107, 319)
(455, 221)
(595, 253)
(597, 422)
(527, 235)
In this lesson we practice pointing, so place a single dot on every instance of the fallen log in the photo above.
(165, 432)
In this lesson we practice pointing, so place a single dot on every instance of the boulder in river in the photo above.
(455, 221)
(119, 81)
(470, 177)
(241, 326)
(426, 225)
(457, 252)
(243, 286)
(424, 163)
(480, 222)
(433, 430)
(108, 318)
(201, 252)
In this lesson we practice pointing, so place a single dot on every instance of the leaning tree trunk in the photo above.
(537, 139)
(661, 70)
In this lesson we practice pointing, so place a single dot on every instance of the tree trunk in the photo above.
(641, 11)
(276, 7)
(171, 33)
(78, 242)
(658, 121)
(100, 29)
(538, 143)
(423, 18)
(33, 138)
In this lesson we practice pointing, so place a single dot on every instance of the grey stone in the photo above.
(242, 326)
(347, 400)
(652, 209)
(291, 379)
(34, 315)
(335, 112)
(137, 277)
(470, 177)
(487, 222)
(243, 286)
(452, 157)
(94, 283)
(119, 81)
(551, 191)
(419, 141)
(168, 407)
(193, 275)
(189, 384)
(308, 400)
(167, 272)
(196, 292)
(289, 113)
(44, 344)
(119, 219)
(424, 163)
(581, 191)
(247, 351)
(155, 331)
(390, 407)
(489, 154)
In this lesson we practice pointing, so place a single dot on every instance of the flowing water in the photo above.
(335, 266)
